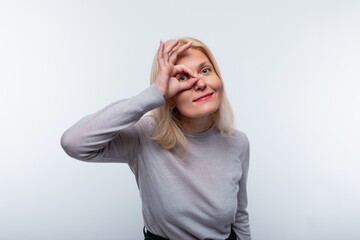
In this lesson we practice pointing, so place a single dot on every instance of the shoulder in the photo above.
(146, 125)
(148, 120)
(244, 146)
(236, 141)
(240, 138)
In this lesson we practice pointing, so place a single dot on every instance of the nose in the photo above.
(200, 85)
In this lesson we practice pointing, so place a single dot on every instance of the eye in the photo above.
(182, 77)
(206, 70)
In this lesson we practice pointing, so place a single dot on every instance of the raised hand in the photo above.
(166, 80)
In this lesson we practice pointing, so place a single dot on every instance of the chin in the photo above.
(205, 113)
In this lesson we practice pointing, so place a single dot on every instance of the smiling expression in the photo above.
(204, 98)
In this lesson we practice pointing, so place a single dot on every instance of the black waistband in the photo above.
(150, 236)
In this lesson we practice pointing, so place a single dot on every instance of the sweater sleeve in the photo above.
(110, 135)
(242, 225)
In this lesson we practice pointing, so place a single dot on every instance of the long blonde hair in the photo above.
(168, 133)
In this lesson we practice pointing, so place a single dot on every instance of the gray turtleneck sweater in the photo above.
(200, 197)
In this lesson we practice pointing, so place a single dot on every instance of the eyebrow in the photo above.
(203, 64)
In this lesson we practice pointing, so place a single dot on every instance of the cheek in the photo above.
(181, 99)
(214, 82)
(219, 85)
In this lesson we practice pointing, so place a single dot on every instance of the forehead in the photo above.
(192, 58)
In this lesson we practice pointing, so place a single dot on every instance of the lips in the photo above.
(203, 97)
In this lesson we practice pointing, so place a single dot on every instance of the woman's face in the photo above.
(204, 98)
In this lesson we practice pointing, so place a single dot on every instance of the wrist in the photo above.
(161, 91)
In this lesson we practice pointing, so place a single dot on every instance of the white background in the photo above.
(291, 70)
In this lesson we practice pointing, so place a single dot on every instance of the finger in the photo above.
(177, 52)
(172, 45)
(184, 69)
(185, 85)
(160, 54)
(169, 49)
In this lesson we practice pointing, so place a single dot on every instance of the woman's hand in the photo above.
(166, 80)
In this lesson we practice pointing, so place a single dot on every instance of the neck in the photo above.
(196, 124)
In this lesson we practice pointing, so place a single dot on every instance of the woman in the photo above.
(190, 165)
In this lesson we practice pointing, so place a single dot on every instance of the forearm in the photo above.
(88, 137)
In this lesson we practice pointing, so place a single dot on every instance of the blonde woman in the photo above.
(190, 164)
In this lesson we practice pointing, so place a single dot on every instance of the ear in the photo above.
(171, 103)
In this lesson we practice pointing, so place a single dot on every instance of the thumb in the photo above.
(185, 85)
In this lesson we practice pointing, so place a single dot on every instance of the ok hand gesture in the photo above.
(166, 80)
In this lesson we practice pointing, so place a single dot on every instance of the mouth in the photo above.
(203, 97)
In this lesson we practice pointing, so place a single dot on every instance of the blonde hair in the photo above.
(168, 133)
